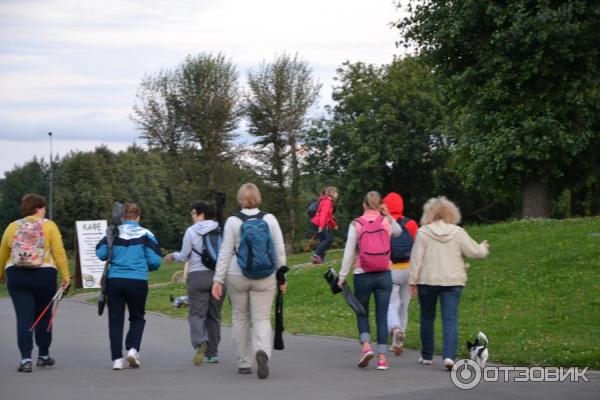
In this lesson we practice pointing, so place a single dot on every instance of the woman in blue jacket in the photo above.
(135, 252)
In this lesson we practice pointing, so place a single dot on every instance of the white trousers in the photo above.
(251, 303)
(399, 300)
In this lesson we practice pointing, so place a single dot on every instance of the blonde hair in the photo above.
(330, 190)
(438, 208)
(372, 200)
(131, 211)
(249, 196)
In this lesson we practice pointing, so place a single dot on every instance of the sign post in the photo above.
(89, 267)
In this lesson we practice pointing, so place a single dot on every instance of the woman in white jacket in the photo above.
(251, 298)
(438, 270)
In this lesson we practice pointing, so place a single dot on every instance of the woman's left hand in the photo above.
(283, 288)
(217, 290)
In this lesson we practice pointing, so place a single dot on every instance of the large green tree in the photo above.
(209, 95)
(158, 112)
(194, 107)
(523, 78)
(279, 98)
(32, 177)
(387, 133)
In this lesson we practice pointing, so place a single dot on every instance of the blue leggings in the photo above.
(132, 293)
(31, 289)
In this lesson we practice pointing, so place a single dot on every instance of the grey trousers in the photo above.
(204, 312)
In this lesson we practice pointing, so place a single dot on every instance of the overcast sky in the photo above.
(73, 67)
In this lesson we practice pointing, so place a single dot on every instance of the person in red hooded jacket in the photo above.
(324, 222)
(400, 297)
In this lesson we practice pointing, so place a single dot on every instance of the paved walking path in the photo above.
(309, 368)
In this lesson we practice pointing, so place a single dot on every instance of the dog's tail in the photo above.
(483, 340)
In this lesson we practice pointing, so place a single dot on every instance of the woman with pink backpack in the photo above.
(369, 241)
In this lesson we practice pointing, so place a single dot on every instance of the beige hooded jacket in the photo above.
(437, 255)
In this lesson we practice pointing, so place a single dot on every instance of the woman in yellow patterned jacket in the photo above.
(31, 252)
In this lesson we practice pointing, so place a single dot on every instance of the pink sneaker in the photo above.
(366, 356)
(382, 365)
(316, 259)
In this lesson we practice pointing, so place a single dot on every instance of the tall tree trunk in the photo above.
(278, 166)
(295, 186)
(535, 199)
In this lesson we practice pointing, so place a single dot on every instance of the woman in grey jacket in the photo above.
(205, 311)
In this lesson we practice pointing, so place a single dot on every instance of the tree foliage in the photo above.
(387, 132)
(195, 106)
(279, 98)
(524, 81)
(32, 177)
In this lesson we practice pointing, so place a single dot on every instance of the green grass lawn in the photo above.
(537, 296)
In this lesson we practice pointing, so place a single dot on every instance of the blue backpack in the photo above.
(256, 254)
(402, 245)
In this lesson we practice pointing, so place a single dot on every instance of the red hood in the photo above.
(395, 204)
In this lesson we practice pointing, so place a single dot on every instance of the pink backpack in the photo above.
(373, 245)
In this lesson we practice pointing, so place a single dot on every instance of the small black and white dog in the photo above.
(478, 350)
(179, 301)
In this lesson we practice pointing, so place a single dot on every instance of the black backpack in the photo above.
(312, 208)
(211, 244)
(401, 245)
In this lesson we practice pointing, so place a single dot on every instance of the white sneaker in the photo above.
(448, 363)
(119, 364)
(425, 362)
(133, 358)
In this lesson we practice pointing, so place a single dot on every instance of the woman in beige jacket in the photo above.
(438, 270)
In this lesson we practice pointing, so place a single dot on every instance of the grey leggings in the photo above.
(399, 300)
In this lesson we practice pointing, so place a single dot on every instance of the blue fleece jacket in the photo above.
(135, 252)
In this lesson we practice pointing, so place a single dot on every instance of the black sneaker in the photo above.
(25, 367)
(45, 362)
(262, 362)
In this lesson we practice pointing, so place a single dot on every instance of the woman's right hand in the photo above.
(217, 290)
(413, 290)
(341, 282)
(486, 244)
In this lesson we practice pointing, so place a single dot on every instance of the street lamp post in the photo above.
(51, 178)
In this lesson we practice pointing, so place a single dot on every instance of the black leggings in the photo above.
(31, 289)
(133, 293)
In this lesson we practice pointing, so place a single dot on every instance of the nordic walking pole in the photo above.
(55, 307)
(45, 310)
(309, 245)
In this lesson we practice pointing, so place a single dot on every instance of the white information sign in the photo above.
(89, 234)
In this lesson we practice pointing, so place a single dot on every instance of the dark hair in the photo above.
(30, 203)
(131, 211)
(205, 208)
